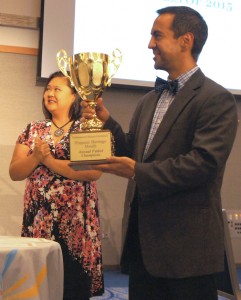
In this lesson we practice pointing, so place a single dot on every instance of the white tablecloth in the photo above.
(30, 269)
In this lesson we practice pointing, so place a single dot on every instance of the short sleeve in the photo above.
(24, 136)
(28, 135)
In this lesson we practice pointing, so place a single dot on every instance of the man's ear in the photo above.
(187, 41)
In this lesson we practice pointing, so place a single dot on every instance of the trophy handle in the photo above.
(63, 63)
(115, 62)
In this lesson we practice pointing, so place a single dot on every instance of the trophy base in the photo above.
(85, 165)
(89, 147)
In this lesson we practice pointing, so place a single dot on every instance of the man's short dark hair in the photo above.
(186, 20)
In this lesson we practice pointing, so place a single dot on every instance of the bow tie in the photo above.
(161, 85)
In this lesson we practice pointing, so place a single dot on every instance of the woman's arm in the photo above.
(62, 167)
(22, 164)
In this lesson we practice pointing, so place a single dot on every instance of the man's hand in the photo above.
(101, 112)
(120, 166)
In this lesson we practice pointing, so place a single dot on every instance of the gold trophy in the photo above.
(90, 73)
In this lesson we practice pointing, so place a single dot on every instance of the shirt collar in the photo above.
(182, 79)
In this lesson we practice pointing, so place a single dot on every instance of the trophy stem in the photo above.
(93, 124)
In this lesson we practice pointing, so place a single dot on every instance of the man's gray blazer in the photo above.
(178, 183)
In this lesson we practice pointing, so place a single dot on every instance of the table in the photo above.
(30, 268)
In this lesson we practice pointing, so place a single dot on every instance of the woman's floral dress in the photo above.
(65, 211)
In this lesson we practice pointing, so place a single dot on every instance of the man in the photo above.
(172, 229)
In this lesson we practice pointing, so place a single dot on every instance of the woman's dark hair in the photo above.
(186, 20)
(75, 109)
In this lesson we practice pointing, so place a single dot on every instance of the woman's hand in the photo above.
(41, 150)
(23, 164)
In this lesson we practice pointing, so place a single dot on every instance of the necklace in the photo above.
(58, 132)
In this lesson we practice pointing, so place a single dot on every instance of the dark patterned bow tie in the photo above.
(162, 85)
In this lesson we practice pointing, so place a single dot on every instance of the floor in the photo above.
(116, 286)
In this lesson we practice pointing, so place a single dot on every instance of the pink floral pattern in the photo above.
(61, 209)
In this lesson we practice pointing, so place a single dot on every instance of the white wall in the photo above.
(17, 36)
(17, 100)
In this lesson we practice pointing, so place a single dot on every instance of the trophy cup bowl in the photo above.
(90, 73)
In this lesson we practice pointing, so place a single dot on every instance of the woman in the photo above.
(60, 203)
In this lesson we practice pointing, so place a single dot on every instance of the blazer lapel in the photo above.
(145, 125)
(185, 95)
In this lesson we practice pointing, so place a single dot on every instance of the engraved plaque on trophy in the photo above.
(90, 73)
